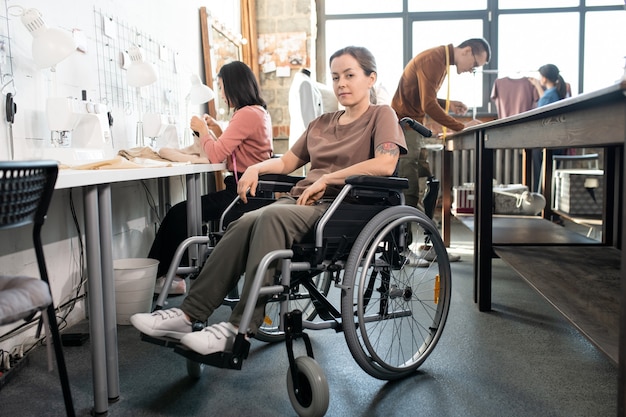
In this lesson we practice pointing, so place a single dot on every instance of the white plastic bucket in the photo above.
(134, 286)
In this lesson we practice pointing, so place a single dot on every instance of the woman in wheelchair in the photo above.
(363, 139)
(246, 141)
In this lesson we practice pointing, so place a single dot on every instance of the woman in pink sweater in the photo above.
(246, 141)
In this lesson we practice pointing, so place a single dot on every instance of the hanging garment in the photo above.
(513, 96)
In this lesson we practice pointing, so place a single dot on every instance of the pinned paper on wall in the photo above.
(268, 67)
(109, 28)
(283, 71)
(163, 53)
(283, 49)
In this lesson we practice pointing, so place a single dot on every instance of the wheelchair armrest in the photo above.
(267, 186)
(386, 183)
(277, 182)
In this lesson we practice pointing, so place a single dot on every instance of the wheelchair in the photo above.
(391, 313)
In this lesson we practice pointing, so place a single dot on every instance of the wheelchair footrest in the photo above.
(229, 360)
(161, 341)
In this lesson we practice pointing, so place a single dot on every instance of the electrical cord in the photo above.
(151, 202)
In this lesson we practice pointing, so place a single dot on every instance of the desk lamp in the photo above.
(50, 45)
(198, 94)
(139, 74)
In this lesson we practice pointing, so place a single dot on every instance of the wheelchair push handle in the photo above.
(418, 127)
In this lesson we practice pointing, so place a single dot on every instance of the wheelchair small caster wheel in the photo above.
(194, 369)
(311, 397)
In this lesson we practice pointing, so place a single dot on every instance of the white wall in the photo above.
(174, 23)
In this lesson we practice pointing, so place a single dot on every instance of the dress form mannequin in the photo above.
(305, 104)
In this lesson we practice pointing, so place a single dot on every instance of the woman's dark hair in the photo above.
(363, 56)
(240, 86)
(552, 73)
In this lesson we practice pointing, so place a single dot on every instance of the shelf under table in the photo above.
(528, 230)
(581, 282)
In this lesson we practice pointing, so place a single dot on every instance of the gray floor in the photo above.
(521, 359)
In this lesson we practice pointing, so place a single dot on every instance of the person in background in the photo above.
(246, 141)
(337, 145)
(416, 97)
(551, 87)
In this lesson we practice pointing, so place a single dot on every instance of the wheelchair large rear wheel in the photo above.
(394, 312)
(299, 299)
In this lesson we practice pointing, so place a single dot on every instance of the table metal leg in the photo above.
(483, 216)
(614, 234)
(96, 307)
(446, 197)
(193, 201)
(108, 291)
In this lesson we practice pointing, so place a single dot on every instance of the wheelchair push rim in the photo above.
(394, 313)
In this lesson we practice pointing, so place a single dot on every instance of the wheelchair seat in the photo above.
(333, 235)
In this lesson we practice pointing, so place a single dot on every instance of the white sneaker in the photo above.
(428, 253)
(178, 287)
(162, 323)
(413, 259)
(215, 338)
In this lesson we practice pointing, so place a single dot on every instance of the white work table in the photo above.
(96, 185)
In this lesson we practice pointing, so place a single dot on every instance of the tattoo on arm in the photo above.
(388, 148)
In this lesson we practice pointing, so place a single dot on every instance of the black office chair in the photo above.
(26, 189)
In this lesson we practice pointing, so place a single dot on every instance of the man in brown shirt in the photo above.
(416, 96)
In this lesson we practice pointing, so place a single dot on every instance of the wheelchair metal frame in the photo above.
(380, 285)
(366, 252)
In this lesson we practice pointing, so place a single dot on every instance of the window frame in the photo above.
(490, 18)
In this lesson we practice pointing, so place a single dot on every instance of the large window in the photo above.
(446, 6)
(363, 6)
(535, 4)
(605, 39)
(388, 53)
(584, 38)
(522, 55)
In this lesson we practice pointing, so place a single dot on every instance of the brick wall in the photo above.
(283, 16)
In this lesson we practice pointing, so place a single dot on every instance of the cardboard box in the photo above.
(579, 192)
(463, 198)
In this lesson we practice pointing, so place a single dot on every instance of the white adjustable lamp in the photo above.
(199, 93)
(139, 74)
(50, 45)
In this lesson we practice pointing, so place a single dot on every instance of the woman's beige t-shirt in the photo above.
(329, 146)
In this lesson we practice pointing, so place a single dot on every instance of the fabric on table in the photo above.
(118, 162)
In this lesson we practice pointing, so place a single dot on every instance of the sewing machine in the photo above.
(161, 130)
(78, 123)
(79, 130)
